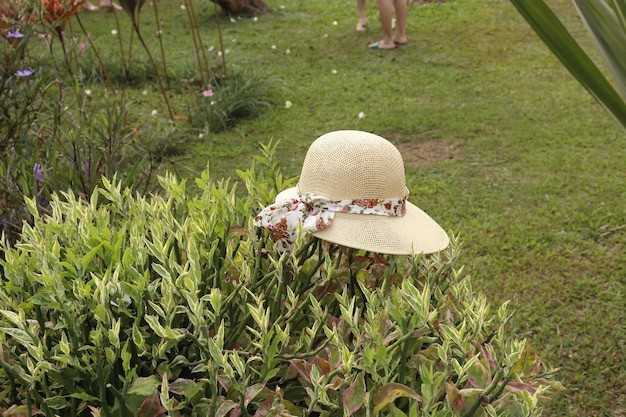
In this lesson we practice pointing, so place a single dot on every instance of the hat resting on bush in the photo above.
(352, 192)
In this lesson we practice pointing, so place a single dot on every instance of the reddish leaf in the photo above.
(527, 362)
(354, 395)
(302, 368)
(57, 11)
(151, 406)
(380, 260)
(226, 407)
(453, 397)
(180, 386)
(224, 381)
(323, 365)
(488, 358)
(264, 410)
(389, 392)
(252, 392)
(19, 411)
(479, 376)
(518, 387)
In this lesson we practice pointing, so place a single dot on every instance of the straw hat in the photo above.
(349, 167)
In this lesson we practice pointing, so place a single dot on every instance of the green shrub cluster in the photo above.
(176, 305)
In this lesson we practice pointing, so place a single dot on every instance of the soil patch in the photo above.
(424, 153)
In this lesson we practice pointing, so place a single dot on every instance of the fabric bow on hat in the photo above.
(316, 213)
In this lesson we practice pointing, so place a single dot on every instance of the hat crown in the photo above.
(350, 165)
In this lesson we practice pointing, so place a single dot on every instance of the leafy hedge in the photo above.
(176, 305)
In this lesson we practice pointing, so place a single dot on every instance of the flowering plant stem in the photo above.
(219, 34)
(95, 51)
(203, 66)
(158, 26)
(154, 65)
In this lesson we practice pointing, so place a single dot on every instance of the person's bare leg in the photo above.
(401, 17)
(362, 23)
(385, 12)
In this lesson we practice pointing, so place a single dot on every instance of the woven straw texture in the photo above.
(350, 165)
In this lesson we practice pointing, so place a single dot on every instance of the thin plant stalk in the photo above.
(155, 66)
(61, 37)
(204, 56)
(219, 34)
(125, 63)
(203, 66)
(159, 36)
(130, 48)
(73, 55)
(95, 50)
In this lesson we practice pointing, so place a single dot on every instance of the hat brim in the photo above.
(415, 232)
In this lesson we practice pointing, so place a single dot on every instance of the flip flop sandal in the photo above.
(376, 47)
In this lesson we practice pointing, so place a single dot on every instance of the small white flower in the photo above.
(114, 32)
(87, 92)
(211, 48)
(334, 71)
(144, 92)
(159, 33)
(200, 135)
(255, 19)
(226, 51)
(335, 23)
(219, 53)
(212, 103)
(182, 7)
(273, 46)
(288, 104)
(287, 51)
(232, 20)
(361, 115)
(282, 7)
(325, 35)
(154, 112)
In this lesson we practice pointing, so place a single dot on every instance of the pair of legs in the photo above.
(386, 10)
(104, 4)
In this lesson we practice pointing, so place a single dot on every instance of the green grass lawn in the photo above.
(501, 145)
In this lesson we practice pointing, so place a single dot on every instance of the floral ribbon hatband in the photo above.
(316, 213)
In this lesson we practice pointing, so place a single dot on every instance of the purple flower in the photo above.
(14, 33)
(207, 93)
(24, 72)
(38, 171)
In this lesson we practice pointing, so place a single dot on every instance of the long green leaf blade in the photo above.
(554, 34)
(609, 36)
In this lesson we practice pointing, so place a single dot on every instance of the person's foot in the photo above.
(400, 40)
(381, 45)
(361, 26)
(90, 7)
(110, 6)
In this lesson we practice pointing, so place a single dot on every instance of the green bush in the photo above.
(243, 94)
(176, 305)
